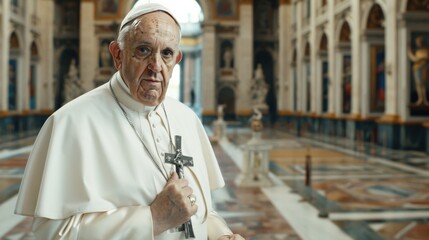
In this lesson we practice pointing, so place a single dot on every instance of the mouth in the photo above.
(150, 80)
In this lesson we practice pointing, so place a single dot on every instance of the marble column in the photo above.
(4, 55)
(23, 93)
(332, 103)
(209, 63)
(314, 89)
(285, 86)
(245, 52)
(47, 96)
(87, 53)
(197, 82)
(391, 31)
(356, 108)
(300, 77)
(188, 66)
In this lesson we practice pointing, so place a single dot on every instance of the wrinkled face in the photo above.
(150, 52)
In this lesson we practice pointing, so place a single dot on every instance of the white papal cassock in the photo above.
(89, 176)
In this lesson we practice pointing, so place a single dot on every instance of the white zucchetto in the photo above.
(142, 7)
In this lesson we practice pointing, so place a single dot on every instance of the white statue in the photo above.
(220, 113)
(219, 125)
(259, 88)
(227, 58)
(420, 59)
(256, 120)
(72, 85)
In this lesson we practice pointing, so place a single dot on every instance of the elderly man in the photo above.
(101, 165)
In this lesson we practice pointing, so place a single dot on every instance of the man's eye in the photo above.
(143, 50)
(167, 53)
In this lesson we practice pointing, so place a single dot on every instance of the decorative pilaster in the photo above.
(188, 66)
(285, 85)
(4, 55)
(356, 109)
(299, 66)
(47, 7)
(23, 94)
(315, 97)
(245, 53)
(331, 56)
(88, 55)
(197, 83)
(209, 63)
(391, 60)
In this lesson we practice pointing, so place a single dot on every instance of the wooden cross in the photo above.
(181, 161)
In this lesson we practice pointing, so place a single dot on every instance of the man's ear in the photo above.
(115, 51)
(179, 57)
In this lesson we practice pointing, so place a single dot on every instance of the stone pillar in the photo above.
(88, 56)
(356, 107)
(331, 58)
(245, 53)
(4, 55)
(285, 86)
(300, 105)
(391, 60)
(198, 83)
(209, 63)
(47, 98)
(314, 82)
(187, 74)
(23, 92)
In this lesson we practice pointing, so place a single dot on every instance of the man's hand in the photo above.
(172, 206)
(231, 237)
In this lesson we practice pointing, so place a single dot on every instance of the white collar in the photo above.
(124, 96)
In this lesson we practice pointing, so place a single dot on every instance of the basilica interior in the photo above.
(318, 110)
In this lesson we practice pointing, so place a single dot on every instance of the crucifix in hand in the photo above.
(181, 161)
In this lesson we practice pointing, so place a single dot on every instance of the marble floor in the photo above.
(323, 188)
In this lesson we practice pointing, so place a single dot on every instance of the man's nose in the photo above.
(155, 62)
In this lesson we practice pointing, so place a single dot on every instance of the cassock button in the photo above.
(153, 125)
(157, 140)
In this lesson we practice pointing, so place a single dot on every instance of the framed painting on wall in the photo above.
(225, 9)
(107, 9)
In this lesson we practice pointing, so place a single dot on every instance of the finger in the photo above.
(173, 177)
(192, 209)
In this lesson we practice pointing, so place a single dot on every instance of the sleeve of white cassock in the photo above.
(123, 223)
(216, 226)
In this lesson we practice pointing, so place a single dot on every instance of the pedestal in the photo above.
(219, 129)
(255, 166)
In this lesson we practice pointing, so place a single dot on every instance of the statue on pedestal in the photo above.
(259, 88)
(72, 85)
(220, 113)
(256, 125)
(255, 169)
(219, 125)
(420, 59)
